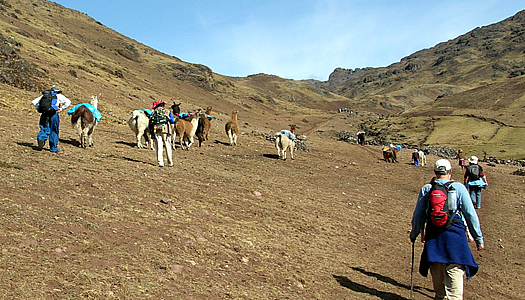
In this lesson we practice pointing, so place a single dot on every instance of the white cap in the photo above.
(473, 159)
(442, 165)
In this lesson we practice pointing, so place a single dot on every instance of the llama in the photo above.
(387, 155)
(185, 130)
(422, 158)
(204, 126)
(175, 109)
(138, 122)
(232, 129)
(84, 118)
(283, 143)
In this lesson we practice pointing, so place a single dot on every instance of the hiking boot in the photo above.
(41, 144)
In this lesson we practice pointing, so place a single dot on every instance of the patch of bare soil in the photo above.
(228, 222)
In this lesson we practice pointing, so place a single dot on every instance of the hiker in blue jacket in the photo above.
(475, 180)
(446, 251)
(50, 122)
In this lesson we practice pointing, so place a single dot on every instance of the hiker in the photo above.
(469, 236)
(53, 102)
(475, 180)
(361, 138)
(160, 128)
(446, 251)
(462, 159)
(415, 157)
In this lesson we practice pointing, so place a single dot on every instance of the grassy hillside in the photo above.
(476, 80)
(84, 57)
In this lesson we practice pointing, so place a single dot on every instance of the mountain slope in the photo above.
(465, 93)
(485, 55)
(83, 57)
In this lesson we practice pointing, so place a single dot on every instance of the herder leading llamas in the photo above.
(160, 125)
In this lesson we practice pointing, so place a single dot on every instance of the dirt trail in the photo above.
(320, 124)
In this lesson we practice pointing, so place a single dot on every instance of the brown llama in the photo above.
(232, 129)
(203, 128)
(175, 109)
(387, 155)
(85, 122)
(185, 130)
(390, 154)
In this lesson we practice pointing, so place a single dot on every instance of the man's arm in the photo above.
(471, 217)
(63, 102)
(418, 218)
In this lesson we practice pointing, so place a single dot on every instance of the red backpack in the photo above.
(441, 209)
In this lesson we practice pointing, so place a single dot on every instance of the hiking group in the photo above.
(443, 216)
(419, 157)
(445, 213)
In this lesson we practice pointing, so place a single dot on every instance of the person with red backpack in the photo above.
(475, 179)
(440, 210)
(49, 105)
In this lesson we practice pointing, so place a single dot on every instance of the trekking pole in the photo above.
(412, 274)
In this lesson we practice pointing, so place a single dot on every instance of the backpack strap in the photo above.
(452, 215)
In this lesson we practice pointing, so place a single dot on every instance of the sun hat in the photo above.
(473, 159)
(442, 166)
(56, 88)
(155, 104)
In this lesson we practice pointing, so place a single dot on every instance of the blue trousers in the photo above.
(49, 126)
(475, 195)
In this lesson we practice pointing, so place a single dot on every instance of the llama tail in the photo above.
(74, 119)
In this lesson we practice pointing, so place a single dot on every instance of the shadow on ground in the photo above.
(354, 286)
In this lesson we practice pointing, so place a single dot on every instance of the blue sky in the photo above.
(291, 38)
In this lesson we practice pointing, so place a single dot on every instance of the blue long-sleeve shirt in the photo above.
(465, 210)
